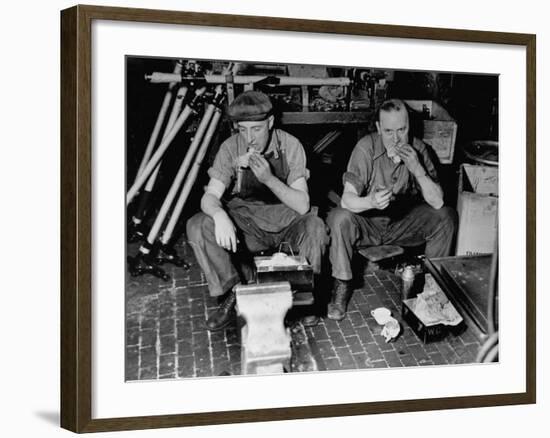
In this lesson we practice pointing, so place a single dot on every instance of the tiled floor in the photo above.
(166, 336)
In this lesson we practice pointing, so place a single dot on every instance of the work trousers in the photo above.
(306, 236)
(423, 224)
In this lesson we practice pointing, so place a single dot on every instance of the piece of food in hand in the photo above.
(242, 160)
(392, 153)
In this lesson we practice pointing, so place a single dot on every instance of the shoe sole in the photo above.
(329, 316)
(217, 329)
(311, 324)
(336, 319)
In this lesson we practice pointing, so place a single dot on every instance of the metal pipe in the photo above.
(161, 149)
(180, 175)
(176, 109)
(160, 119)
(270, 68)
(326, 141)
(493, 290)
(191, 178)
(145, 194)
(490, 342)
(159, 78)
(491, 354)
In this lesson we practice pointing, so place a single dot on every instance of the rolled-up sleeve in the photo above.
(296, 159)
(359, 168)
(222, 169)
(427, 161)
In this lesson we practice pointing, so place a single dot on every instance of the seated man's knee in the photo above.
(339, 217)
(197, 226)
(448, 217)
(316, 229)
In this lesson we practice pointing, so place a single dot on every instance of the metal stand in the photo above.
(168, 254)
(160, 119)
(150, 255)
(135, 232)
(144, 263)
(155, 159)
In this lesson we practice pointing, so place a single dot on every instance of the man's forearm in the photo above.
(355, 203)
(210, 204)
(296, 199)
(431, 191)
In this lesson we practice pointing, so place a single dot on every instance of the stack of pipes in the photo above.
(155, 251)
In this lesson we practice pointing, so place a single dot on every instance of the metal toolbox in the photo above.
(427, 333)
(299, 275)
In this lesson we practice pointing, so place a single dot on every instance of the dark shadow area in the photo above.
(51, 417)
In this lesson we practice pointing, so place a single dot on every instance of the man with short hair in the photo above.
(264, 171)
(391, 196)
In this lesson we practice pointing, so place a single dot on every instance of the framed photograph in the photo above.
(270, 218)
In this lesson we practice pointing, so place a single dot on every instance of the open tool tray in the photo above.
(427, 333)
(465, 281)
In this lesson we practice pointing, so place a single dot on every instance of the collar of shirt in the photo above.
(390, 173)
(378, 146)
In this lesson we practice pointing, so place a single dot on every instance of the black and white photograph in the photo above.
(275, 219)
(287, 218)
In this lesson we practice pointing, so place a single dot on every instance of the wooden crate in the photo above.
(477, 207)
(439, 130)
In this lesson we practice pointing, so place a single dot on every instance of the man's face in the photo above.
(256, 134)
(393, 127)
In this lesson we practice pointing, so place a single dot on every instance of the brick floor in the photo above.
(166, 337)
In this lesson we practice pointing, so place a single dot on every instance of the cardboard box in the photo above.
(427, 333)
(439, 130)
(477, 207)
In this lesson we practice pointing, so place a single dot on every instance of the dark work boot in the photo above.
(339, 303)
(222, 317)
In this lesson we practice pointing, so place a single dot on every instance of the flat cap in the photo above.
(250, 106)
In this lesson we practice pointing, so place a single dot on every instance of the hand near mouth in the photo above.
(394, 154)
(410, 158)
(260, 167)
(242, 161)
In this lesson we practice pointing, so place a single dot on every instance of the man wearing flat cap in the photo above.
(263, 172)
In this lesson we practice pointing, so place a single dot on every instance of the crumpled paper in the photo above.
(278, 259)
(433, 307)
(391, 329)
